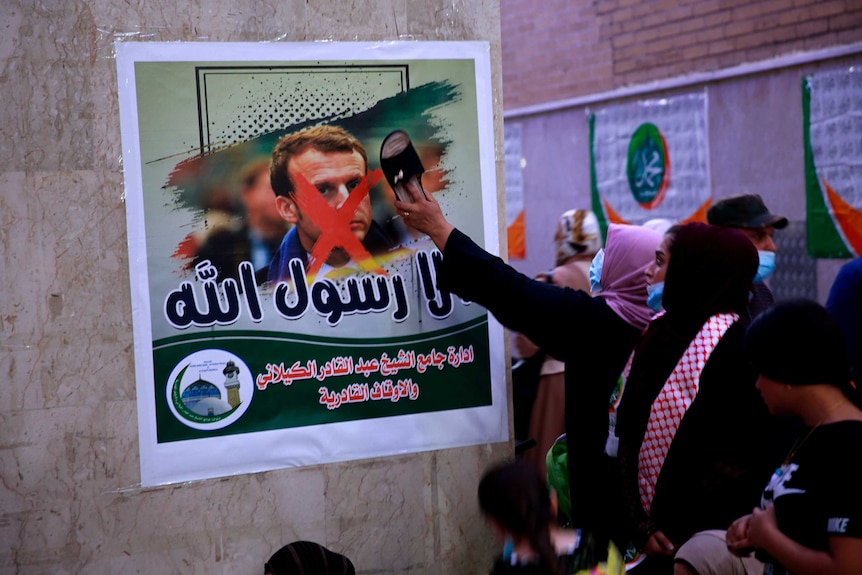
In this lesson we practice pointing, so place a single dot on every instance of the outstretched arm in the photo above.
(423, 213)
(518, 302)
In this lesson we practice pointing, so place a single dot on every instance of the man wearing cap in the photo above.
(748, 214)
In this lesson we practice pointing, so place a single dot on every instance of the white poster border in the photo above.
(260, 451)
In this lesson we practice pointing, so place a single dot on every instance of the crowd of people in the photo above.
(736, 427)
(707, 429)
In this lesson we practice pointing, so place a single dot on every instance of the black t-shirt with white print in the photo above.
(818, 494)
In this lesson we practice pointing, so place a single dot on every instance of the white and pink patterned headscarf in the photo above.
(577, 234)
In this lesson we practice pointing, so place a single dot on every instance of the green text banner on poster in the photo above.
(284, 315)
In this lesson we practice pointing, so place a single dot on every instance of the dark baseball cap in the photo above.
(743, 211)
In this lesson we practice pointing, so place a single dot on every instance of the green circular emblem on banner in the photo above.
(648, 166)
(209, 389)
(187, 413)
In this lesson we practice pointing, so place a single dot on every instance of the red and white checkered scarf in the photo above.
(673, 400)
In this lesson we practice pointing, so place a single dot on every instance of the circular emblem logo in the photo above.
(648, 166)
(209, 389)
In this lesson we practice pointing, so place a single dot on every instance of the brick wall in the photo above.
(552, 49)
(556, 49)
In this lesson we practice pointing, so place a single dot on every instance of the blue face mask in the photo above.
(508, 548)
(654, 293)
(766, 267)
(596, 272)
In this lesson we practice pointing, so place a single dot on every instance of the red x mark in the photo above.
(334, 223)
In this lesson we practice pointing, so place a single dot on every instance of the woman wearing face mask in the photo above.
(592, 336)
(693, 439)
(656, 271)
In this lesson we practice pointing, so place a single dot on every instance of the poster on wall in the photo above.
(650, 160)
(832, 124)
(283, 313)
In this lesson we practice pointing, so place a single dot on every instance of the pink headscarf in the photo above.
(628, 252)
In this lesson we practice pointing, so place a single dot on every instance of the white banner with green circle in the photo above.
(650, 159)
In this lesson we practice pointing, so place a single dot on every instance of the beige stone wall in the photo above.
(70, 495)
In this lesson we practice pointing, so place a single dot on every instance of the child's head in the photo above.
(514, 496)
(517, 503)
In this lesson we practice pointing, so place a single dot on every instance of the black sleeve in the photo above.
(547, 314)
(721, 456)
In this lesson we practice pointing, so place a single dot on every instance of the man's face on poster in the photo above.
(334, 175)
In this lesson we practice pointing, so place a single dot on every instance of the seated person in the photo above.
(693, 434)
(809, 520)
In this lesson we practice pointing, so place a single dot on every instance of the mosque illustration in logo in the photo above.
(205, 398)
(199, 398)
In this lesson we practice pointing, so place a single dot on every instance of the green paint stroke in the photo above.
(411, 111)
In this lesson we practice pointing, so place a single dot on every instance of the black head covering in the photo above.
(798, 342)
(710, 271)
(308, 558)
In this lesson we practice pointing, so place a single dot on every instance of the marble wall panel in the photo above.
(18, 362)
(364, 499)
(13, 122)
(65, 240)
(61, 114)
(356, 20)
(434, 505)
(89, 370)
(746, 157)
(456, 486)
(76, 515)
(81, 227)
(48, 473)
(20, 246)
(104, 134)
(240, 20)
